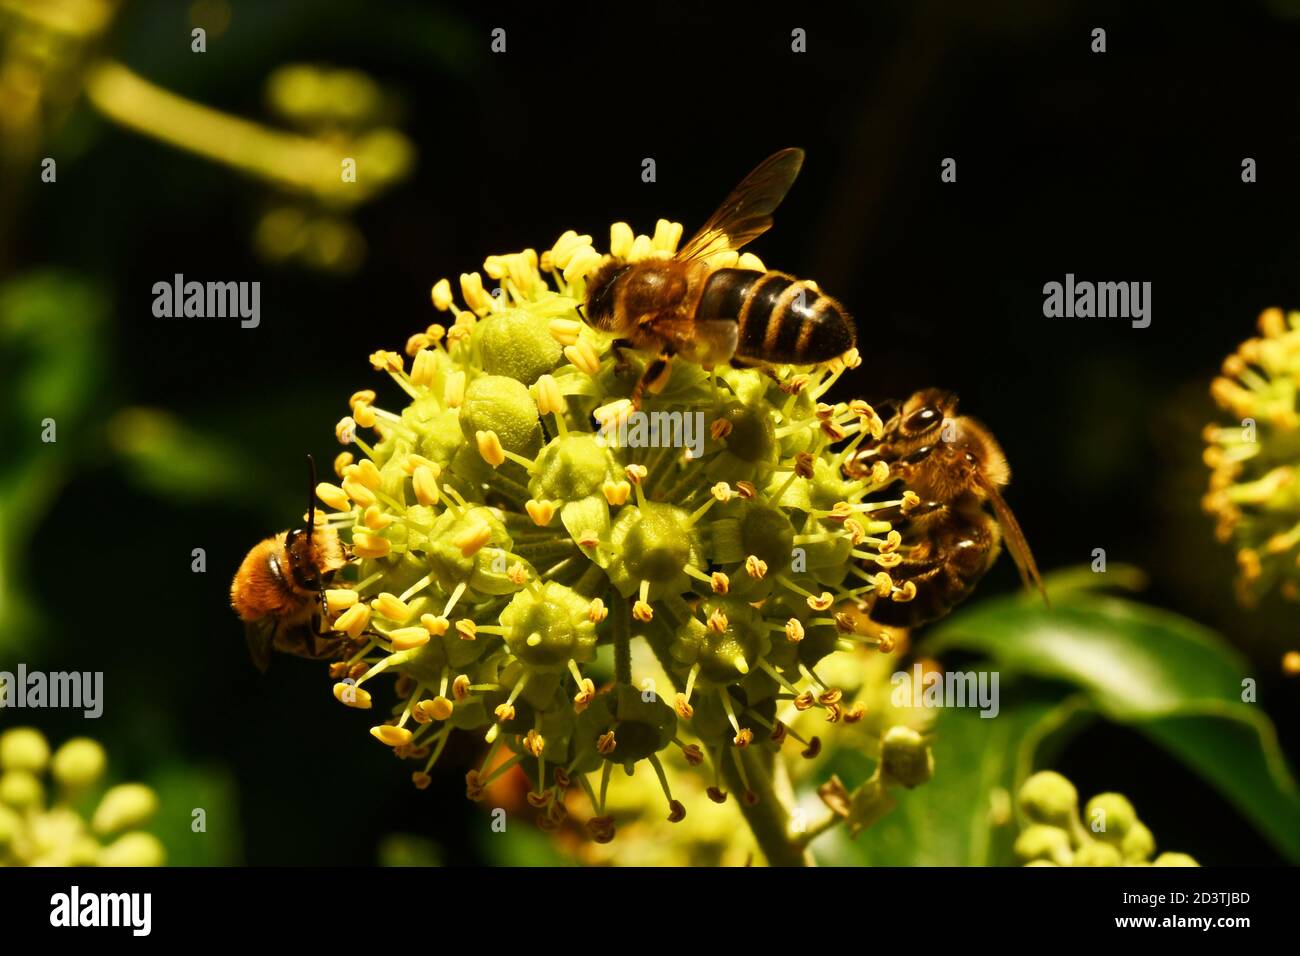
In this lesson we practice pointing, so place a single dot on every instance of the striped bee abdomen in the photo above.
(782, 319)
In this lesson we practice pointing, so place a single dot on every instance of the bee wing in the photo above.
(747, 212)
(260, 636)
(1015, 541)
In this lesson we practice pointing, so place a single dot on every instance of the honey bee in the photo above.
(956, 467)
(686, 306)
(279, 589)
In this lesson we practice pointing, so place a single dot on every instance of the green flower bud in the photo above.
(574, 466)
(20, 789)
(653, 543)
(23, 748)
(641, 727)
(1137, 844)
(1174, 859)
(133, 849)
(505, 406)
(905, 758)
(1049, 798)
(751, 446)
(728, 654)
(126, 805)
(1040, 842)
(546, 626)
(1096, 853)
(516, 345)
(1113, 812)
(869, 803)
(79, 763)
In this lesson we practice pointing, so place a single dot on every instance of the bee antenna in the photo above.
(311, 502)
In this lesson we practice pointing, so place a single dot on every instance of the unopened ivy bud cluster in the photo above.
(40, 794)
(516, 516)
(1110, 833)
(1254, 460)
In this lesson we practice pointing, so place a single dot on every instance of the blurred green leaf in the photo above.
(1178, 682)
(404, 849)
(165, 456)
(948, 821)
(183, 789)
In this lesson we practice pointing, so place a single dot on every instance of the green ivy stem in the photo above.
(622, 642)
(768, 818)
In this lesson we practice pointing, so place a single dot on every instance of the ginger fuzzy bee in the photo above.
(955, 467)
(685, 306)
(278, 589)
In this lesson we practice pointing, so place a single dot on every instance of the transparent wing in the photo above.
(1015, 542)
(747, 212)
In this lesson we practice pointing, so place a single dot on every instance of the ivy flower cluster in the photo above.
(517, 516)
(40, 828)
(1254, 461)
(1053, 834)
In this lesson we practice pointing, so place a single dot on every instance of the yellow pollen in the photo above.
(425, 485)
(341, 461)
(333, 496)
(613, 415)
(476, 297)
(755, 567)
(744, 738)
(549, 399)
(472, 539)
(440, 708)
(460, 687)
(436, 333)
(354, 620)
(391, 607)
(367, 545)
(718, 621)
(636, 473)
(643, 612)
(368, 474)
(340, 599)
(597, 611)
(620, 240)
(365, 396)
(423, 368)
(405, 638)
(453, 394)
(489, 446)
(565, 331)
(359, 492)
(437, 626)
(390, 735)
(517, 574)
(504, 712)
(375, 519)
(441, 295)
(365, 415)
(616, 492)
(583, 356)
(413, 461)
(906, 593)
(794, 631)
(352, 696)
(414, 344)
(534, 743)
(540, 511)
(467, 629)
(822, 603)
(720, 582)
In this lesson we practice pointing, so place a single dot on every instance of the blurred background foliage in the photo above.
(173, 435)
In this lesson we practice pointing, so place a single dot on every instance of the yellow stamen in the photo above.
(549, 399)
(345, 430)
(354, 620)
(390, 735)
(755, 567)
(375, 519)
(340, 599)
(540, 511)
(352, 695)
(405, 638)
(367, 545)
(472, 539)
(489, 446)
(565, 331)
(441, 295)
(437, 626)
(333, 496)
(467, 629)
(616, 492)
(583, 357)
(425, 484)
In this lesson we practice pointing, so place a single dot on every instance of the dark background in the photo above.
(1119, 166)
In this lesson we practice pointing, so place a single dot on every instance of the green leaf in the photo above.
(1176, 681)
(948, 821)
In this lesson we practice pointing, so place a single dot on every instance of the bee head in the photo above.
(600, 293)
(925, 412)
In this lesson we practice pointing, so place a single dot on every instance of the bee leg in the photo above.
(654, 378)
(895, 513)
(621, 364)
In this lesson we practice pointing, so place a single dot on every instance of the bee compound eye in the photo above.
(921, 419)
